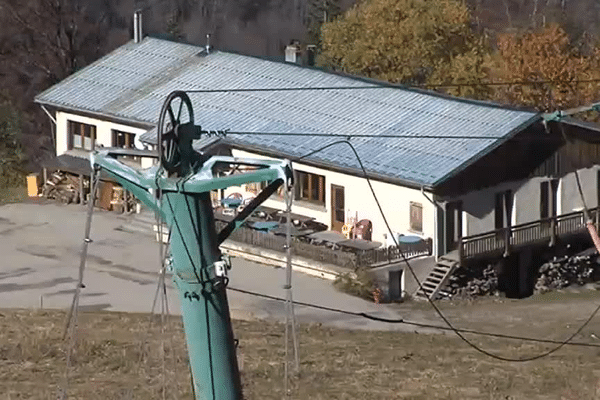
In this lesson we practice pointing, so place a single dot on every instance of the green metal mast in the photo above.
(178, 189)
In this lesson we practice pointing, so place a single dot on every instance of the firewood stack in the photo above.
(567, 271)
(467, 283)
(62, 187)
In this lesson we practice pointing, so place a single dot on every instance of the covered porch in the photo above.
(542, 232)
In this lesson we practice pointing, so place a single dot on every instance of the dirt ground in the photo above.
(366, 363)
(112, 362)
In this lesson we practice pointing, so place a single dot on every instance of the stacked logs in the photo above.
(64, 188)
(566, 271)
(467, 283)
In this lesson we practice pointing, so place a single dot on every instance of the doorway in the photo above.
(338, 207)
(453, 225)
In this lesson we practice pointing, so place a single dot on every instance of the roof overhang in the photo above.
(98, 115)
(326, 165)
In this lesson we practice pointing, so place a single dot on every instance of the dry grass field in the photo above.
(110, 363)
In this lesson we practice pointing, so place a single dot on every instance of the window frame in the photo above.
(129, 140)
(415, 225)
(310, 187)
(84, 131)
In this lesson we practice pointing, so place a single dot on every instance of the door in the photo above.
(453, 225)
(338, 207)
(549, 199)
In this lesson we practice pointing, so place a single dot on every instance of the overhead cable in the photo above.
(434, 306)
(386, 85)
(409, 322)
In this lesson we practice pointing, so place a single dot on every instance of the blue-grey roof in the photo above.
(132, 82)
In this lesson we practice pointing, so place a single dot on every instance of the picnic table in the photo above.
(231, 202)
(359, 244)
(281, 230)
(223, 217)
(327, 237)
(297, 219)
(266, 226)
(265, 212)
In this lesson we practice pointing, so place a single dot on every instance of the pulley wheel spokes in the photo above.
(176, 111)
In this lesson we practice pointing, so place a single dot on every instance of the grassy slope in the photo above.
(12, 195)
(336, 364)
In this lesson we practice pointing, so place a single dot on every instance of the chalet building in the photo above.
(482, 181)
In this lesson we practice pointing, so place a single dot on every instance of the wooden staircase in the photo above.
(437, 278)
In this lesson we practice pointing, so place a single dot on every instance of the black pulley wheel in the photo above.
(176, 111)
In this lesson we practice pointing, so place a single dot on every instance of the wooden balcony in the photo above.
(541, 232)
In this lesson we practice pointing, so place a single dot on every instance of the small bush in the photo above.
(359, 284)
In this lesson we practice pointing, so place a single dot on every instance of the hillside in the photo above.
(43, 41)
(335, 364)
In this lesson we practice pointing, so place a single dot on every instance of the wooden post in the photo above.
(553, 231)
(81, 195)
(124, 199)
(460, 249)
(597, 217)
(506, 241)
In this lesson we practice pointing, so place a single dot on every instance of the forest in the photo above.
(433, 44)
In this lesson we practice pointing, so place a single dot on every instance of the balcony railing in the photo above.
(547, 230)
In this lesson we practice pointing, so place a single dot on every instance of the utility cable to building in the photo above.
(227, 132)
(403, 321)
(433, 305)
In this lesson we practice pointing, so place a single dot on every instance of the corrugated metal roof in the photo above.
(132, 82)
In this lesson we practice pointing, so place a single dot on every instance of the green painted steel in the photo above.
(202, 296)
(197, 262)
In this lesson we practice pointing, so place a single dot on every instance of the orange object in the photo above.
(32, 185)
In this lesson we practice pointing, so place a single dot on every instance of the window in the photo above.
(549, 199)
(124, 140)
(81, 136)
(503, 209)
(416, 217)
(499, 211)
(310, 187)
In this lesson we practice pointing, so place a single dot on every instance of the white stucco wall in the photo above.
(570, 198)
(103, 132)
(395, 201)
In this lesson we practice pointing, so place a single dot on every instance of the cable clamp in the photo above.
(287, 287)
(88, 240)
(220, 268)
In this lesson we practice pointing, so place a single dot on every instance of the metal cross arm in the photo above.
(560, 114)
(206, 179)
(133, 180)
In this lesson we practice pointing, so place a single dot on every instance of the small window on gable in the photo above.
(416, 217)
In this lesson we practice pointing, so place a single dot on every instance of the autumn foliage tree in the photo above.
(546, 56)
(406, 41)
